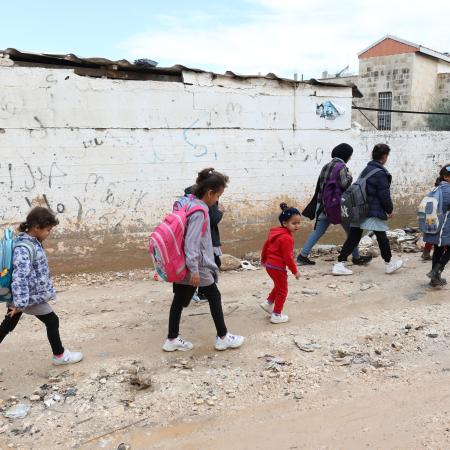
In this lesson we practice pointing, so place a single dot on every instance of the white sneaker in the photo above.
(267, 306)
(279, 318)
(229, 341)
(68, 357)
(340, 269)
(392, 266)
(177, 344)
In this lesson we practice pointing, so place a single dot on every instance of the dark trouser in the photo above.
(441, 256)
(355, 236)
(218, 264)
(51, 322)
(182, 296)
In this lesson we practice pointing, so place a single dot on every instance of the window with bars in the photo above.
(384, 117)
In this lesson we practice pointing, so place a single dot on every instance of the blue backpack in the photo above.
(7, 246)
(431, 214)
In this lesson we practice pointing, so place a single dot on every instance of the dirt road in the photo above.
(363, 363)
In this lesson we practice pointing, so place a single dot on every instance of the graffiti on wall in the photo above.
(329, 110)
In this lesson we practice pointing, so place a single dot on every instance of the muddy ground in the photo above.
(363, 363)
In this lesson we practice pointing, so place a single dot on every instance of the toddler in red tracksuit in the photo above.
(276, 255)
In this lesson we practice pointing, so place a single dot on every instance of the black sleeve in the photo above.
(215, 214)
(384, 192)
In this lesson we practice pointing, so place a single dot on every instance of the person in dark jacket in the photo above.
(340, 154)
(215, 216)
(378, 189)
(441, 240)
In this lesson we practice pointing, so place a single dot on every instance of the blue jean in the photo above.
(321, 227)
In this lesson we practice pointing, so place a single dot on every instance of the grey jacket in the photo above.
(199, 249)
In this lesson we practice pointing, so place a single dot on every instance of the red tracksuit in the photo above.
(277, 253)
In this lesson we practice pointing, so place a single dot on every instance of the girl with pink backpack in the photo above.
(202, 270)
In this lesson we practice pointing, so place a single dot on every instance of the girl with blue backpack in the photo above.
(441, 239)
(32, 286)
(202, 268)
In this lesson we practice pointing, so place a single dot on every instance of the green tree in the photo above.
(440, 123)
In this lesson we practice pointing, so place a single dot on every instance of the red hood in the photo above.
(277, 231)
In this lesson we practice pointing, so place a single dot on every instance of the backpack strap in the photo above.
(195, 209)
(30, 247)
(372, 172)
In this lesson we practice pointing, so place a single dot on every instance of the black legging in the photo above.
(441, 256)
(355, 236)
(182, 296)
(51, 322)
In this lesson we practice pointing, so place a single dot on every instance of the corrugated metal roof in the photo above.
(123, 69)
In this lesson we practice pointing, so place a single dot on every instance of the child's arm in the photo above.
(287, 250)
(192, 242)
(21, 273)
(264, 253)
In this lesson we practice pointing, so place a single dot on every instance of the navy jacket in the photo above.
(378, 188)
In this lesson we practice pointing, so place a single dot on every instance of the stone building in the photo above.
(397, 74)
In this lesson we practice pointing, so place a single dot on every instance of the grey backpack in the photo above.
(354, 205)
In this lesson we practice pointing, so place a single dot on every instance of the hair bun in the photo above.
(283, 206)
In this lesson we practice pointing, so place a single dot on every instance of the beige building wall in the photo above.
(424, 90)
(386, 74)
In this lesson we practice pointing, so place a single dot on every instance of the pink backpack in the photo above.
(166, 243)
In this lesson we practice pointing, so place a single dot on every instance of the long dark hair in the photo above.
(209, 180)
(39, 217)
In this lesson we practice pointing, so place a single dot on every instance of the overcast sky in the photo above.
(246, 36)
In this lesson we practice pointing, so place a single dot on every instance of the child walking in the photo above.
(202, 269)
(32, 286)
(277, 254)
(441, 240)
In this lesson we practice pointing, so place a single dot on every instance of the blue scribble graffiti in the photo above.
(199, 150)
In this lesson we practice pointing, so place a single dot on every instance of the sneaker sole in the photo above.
(230, 347)
(66, 363)
(342, 274)
(177, 349)
(277, 323)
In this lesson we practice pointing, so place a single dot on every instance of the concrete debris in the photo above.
(229, 262)
(247, 265)
(18, 411)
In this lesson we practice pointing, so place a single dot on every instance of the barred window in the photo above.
(384, 117)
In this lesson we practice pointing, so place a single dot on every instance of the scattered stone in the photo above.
(310, 291)
(35, 398)
(366, 286)
(433, 334)
(142, 380)
(102, 380)
(229, 262)
(199, 401)
(210, 402)
(397, 345)
(123, 446)
(18, 411)
(306, 346)
(332, 286)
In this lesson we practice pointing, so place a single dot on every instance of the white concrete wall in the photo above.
(110, 156)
